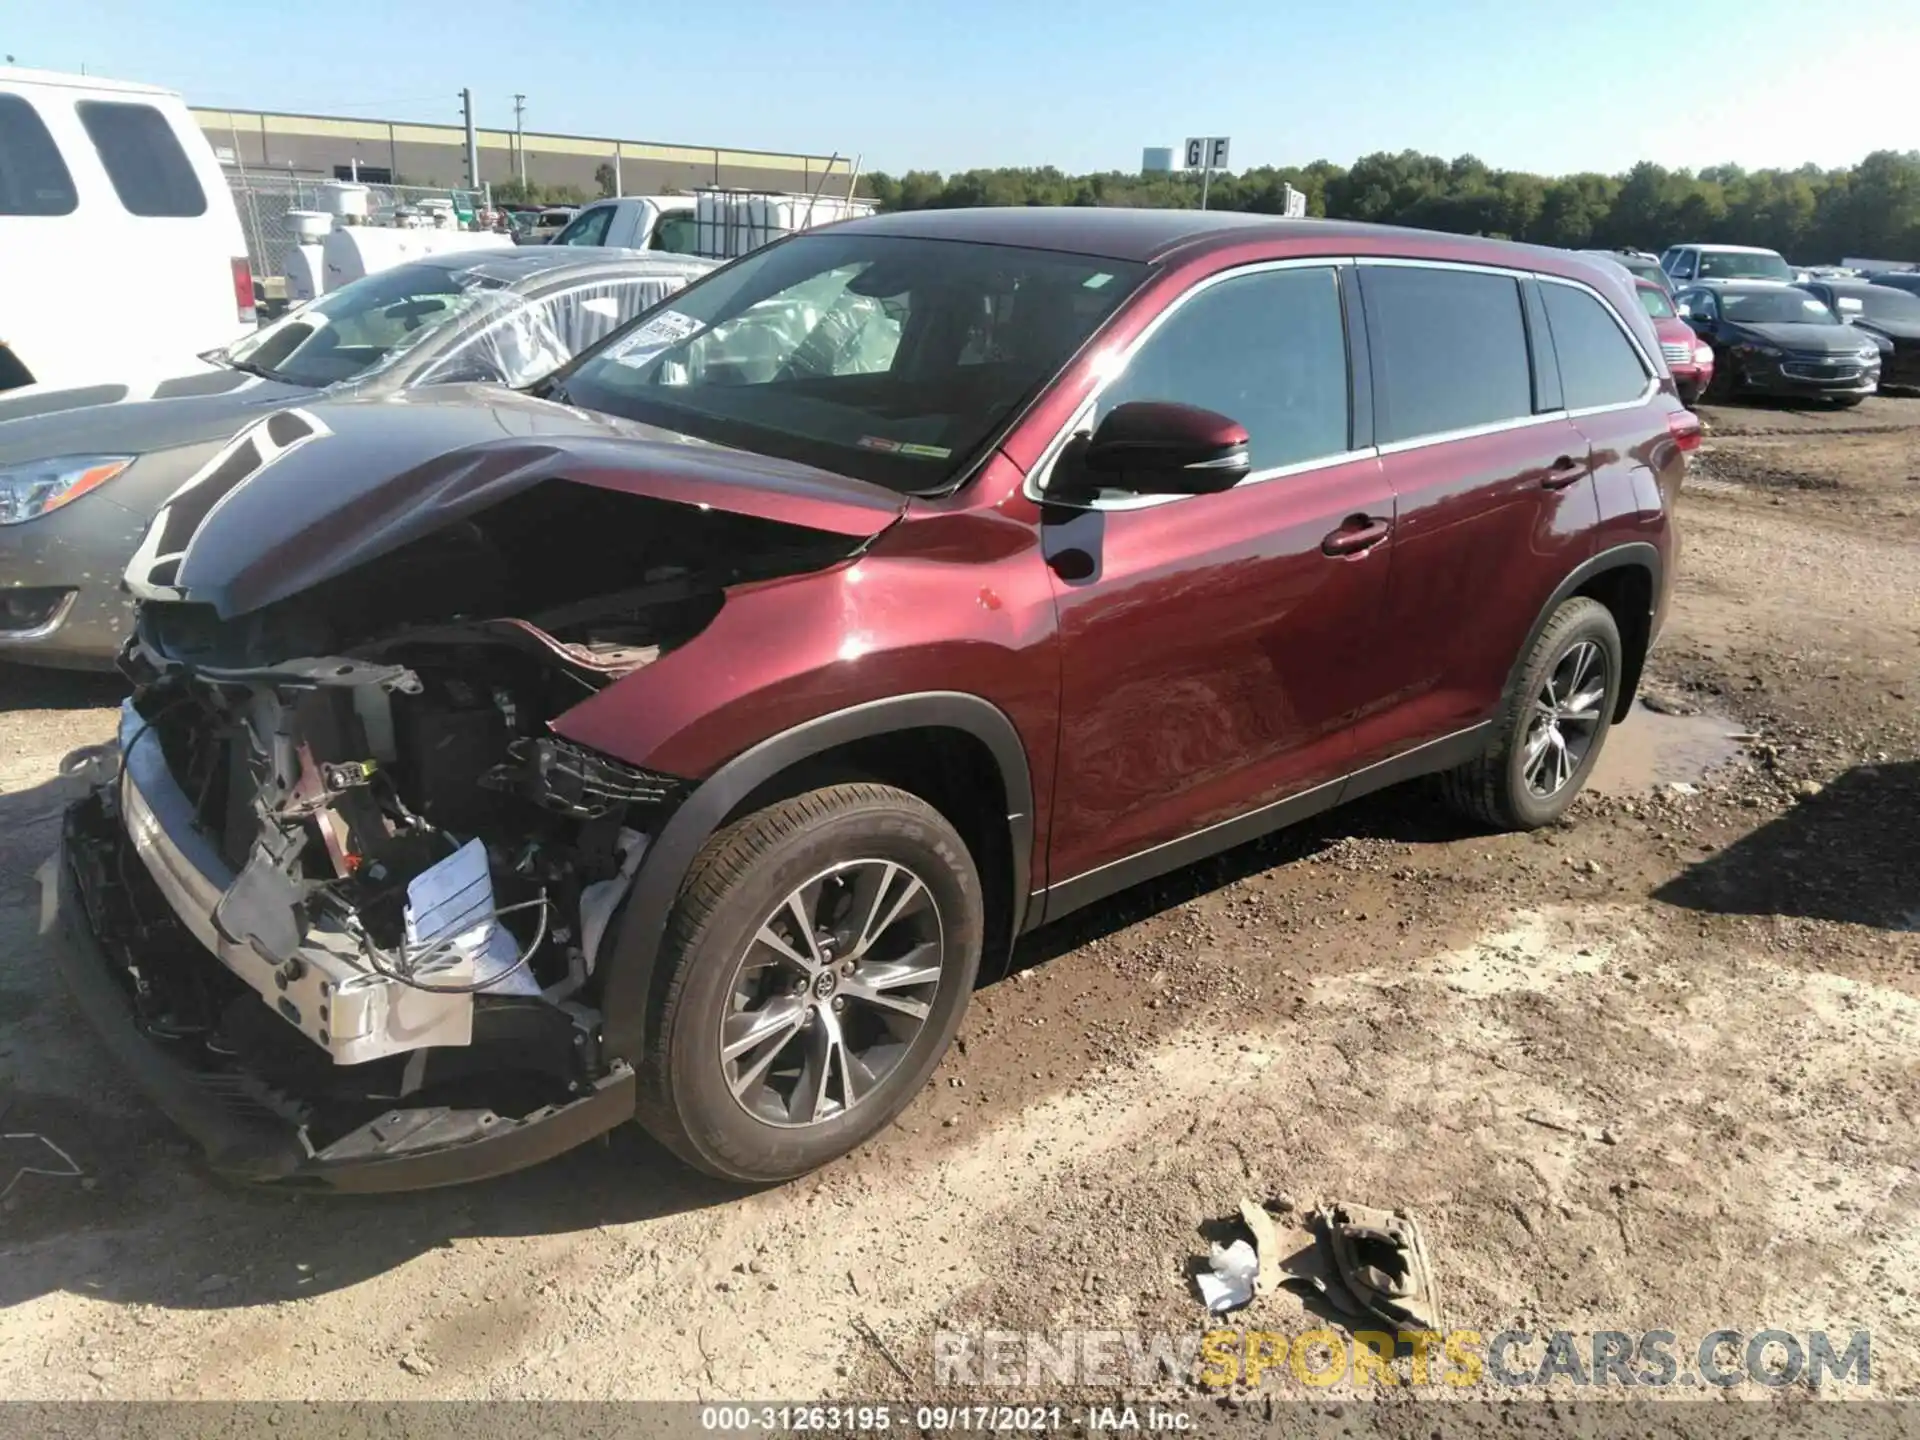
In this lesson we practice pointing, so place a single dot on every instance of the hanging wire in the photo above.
(374, 955)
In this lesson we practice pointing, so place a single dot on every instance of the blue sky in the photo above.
(937, 84)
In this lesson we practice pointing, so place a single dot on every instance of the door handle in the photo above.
(1357, 533)
(1564, 472)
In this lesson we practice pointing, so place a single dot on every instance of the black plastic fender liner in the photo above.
(631, 961)
(1633, 553)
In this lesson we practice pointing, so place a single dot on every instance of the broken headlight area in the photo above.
(401, 863)
(358, 864)
(402, 834)
(524, 1056)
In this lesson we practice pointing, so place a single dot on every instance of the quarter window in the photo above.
(1450, 350)
(588, 228)
(1268, 350)
(150, 172)
(676, 234)
(1598, 365)
(33, 178)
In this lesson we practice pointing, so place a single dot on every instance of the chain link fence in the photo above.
(265, 200)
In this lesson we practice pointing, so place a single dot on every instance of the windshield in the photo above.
(363, 323)
(1883, 302)
(1763, 265)
(1654, 301)
(885, 358)
(1775, 307)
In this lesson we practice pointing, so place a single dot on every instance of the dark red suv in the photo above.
(680, 741)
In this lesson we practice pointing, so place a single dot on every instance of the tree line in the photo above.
(1814, 216)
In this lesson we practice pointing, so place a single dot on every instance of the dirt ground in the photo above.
(1657, 1068)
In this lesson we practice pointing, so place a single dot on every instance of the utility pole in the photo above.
(473, 148)
(520, 139)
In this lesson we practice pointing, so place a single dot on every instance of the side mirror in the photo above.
(1152, 447)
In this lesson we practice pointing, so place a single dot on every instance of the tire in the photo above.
(1495, 789)
(832, 846)
(1719, 389)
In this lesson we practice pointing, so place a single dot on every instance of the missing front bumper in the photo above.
(248, 1130)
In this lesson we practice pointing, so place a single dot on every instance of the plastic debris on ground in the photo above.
(1230, 1283)
(1367, 1264)
(1266, 1245)
(26, 1152)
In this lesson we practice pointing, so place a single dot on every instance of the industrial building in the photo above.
(409, 153)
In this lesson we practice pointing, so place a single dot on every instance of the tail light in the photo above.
(1684, 426)
(243, 291)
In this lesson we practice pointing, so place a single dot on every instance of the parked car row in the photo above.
(1738, 319)
(84, 470)
(1778, 339)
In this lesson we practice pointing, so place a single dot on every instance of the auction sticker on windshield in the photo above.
(664, 329)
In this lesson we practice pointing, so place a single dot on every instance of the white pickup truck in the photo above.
(717, 224)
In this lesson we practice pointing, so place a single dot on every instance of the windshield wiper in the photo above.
(249, 368)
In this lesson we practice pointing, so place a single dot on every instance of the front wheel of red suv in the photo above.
(819, 959)
(1549, 734)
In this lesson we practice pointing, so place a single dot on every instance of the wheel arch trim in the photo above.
(632, 961)
(1639, 554)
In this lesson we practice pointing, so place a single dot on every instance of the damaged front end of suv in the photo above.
(344, 902)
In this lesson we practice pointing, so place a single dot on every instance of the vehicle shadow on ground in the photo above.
(29, 819)
(1849, 854)
(154, 1228)
(1409, 814)
(142, 1223)
(27, 687)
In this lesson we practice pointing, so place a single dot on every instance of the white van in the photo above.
(121, 252)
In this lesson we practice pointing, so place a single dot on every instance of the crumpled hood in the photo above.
(1809, 339)
(135, 419)
(309, 493)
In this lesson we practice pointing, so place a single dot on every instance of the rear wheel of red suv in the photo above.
(819, 959)
(1549, 734)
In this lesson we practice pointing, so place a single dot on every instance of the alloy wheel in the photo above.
(1565, 719)
(831, 992)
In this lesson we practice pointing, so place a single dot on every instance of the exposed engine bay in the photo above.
(409, 867)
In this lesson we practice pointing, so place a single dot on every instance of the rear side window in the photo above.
(142, 156)
(33, 178)
(1450, 350)
(1598, 364)
(588, 228)
(676, 234)
(1268, 350)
